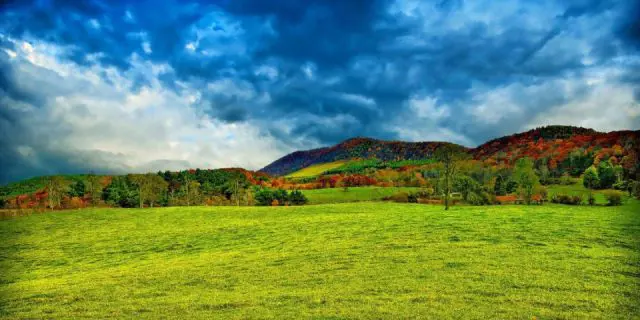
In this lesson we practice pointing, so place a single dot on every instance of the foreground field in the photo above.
(361, 260)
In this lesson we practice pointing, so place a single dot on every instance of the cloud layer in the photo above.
(148, 85)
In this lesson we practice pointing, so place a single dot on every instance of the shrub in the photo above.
(281, 195)
(614, 197)
(412, 198)
(591, 200)
(264, 197)
(634, 189)
(297, 198)
(622, 185)
(398, 197)
(566, 199)
(566, 180)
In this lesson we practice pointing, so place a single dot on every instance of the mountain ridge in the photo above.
(389, 150)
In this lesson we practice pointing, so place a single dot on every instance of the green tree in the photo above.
(450, 156)
(77, 189)
(121, 192)
(607, 175)
(263, 197)
(151, 188)
(500, 187)
(590, 179)
(465, 185)
(191, 192)
(526, 178)
(544, 174)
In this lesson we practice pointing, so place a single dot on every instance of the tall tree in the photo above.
(141, 183)
(56, 188)
(93, 187)
(450, 155)
(151, 187)
(526, 177)
(590, 178)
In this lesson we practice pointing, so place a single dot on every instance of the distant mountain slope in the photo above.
(557, 143)
(362, 148)
(553, 143)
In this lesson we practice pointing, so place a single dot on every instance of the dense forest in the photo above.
(513, 168)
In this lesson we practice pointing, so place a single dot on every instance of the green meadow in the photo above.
(366, 260)
(316, 169)
(339, 195)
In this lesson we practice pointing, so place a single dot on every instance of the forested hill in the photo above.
(551, 144)
(356, 148)
(555, 145)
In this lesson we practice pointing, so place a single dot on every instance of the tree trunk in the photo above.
(446, 186)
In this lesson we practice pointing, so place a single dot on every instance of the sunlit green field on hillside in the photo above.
(339, 195)
(316, 169)
(340, 261)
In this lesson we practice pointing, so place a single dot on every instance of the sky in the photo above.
(140, 86)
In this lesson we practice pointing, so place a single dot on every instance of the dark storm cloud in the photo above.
(321, 71)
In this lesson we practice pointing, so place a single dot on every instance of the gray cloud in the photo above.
(221, 83)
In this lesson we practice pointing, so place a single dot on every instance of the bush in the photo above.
(614, 197)
(591, 200)
(297, 198)
(412, 198)
(399, 197)
(566, 199)
(264, 197)
(634, 189)
(566, 180)
(622, 185)
(479, 198)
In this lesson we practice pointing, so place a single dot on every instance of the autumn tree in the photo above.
(526, 178)
(56, 188)
(450, 156)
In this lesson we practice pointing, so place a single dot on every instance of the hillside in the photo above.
(559, 146)
(356, 148)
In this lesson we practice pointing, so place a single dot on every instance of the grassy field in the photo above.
(341, 261)
(577, 189)
(316, 169)
(338, 195)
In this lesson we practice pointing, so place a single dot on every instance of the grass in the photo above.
(316, 169)
(338, 195)
(339, 261)
(577, 189)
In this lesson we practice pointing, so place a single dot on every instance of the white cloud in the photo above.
(95, 119)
